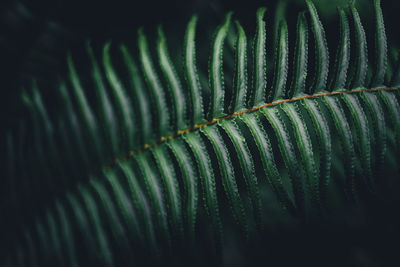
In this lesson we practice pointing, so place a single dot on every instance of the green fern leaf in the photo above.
(155, 171)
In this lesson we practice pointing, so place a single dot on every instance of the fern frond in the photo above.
(146, 171)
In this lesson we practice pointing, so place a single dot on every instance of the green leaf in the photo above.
(125, 207)
(288, 154)
(84, 108)
(216, 74)
(84, 228)
(66, 234)
(189, 175)
(322, 130)
(74, 126)
(53, 235)
(380, 46)
(393, 107)
(362, 127)
(191, 73)
(280, 13)
(240, 79)
(361, 66)
(141, 205)
(155, 194)
(246, 163)
(114, 179)
(281, 64)
(304, 145)
(343, 130)
(206, 174)
(46, 124)
(173, 81)
(102, 240)
(396, 77)
(157, 92)
(321, 50)
(117, 230)
(227, 174)
(260, 65)
(342, 60)
(375, 111)
(169, 178)
(123, 103)
(109, 120)
(142, 99)
(267, 157)
(298, 86)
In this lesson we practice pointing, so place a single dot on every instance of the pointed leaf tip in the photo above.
(298, 86)
(259, 85)
(281, 63)
(240, 75)
(191, 73)
(321, 50)
(216, 70)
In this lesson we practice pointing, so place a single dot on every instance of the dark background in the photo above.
(36, 35)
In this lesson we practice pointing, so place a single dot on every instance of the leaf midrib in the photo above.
(132, 153)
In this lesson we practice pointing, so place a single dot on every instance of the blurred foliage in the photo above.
(36, 35)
